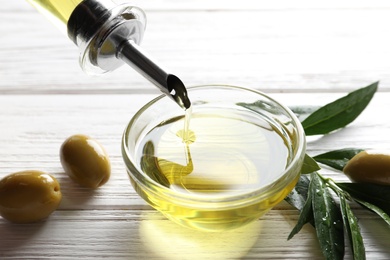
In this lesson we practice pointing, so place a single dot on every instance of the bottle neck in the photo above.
(98, 27)
(108, 35)
(88, 18)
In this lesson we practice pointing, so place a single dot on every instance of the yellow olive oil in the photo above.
(57, 11)
(217, 155)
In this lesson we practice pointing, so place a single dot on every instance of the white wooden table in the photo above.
(301, 52)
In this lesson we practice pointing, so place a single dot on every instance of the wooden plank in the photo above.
(134, 234)
(280, 49)
(113, 222)
(34, 127)
(177, 5)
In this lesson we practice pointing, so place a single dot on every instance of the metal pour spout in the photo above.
(169, 84)
(108, 35)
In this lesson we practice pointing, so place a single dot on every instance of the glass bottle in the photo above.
(108, 35)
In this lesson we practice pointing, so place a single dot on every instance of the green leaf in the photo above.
(378, 195)
(338, 158)
(375, 209)
(340, 112)
(298, 196)
(305, 216)
(352, 227)
(327, 219)
(309, 165)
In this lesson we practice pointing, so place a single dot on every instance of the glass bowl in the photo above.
(221, 164)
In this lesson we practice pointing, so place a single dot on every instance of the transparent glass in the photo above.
(245, 157)
(57, 11)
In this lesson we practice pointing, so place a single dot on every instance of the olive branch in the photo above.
(314, 194)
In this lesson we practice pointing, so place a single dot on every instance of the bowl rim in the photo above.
(245, 197)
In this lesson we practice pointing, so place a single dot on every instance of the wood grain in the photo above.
(278, 47)
(115, 218)
(300, 52)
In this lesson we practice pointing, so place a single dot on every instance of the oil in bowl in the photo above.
(222, 165)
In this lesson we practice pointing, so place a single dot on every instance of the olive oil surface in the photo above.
(215, 154)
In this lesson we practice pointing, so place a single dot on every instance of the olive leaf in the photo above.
(327, 218)
(306, 214)
(309, 165)
(375, 209)
(298, 196)
(352, 228)
(378, 195)
(312, 196)
(340, 112)
(338, 158)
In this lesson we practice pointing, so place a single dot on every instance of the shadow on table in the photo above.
(73, 195)
(378, 232)
(23, 232)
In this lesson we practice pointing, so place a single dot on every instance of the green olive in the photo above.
(369, 167)
(28, 196)
(85, 161)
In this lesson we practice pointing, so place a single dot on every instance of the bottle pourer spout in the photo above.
(178, 91)
(108, 35)
(169, 84)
